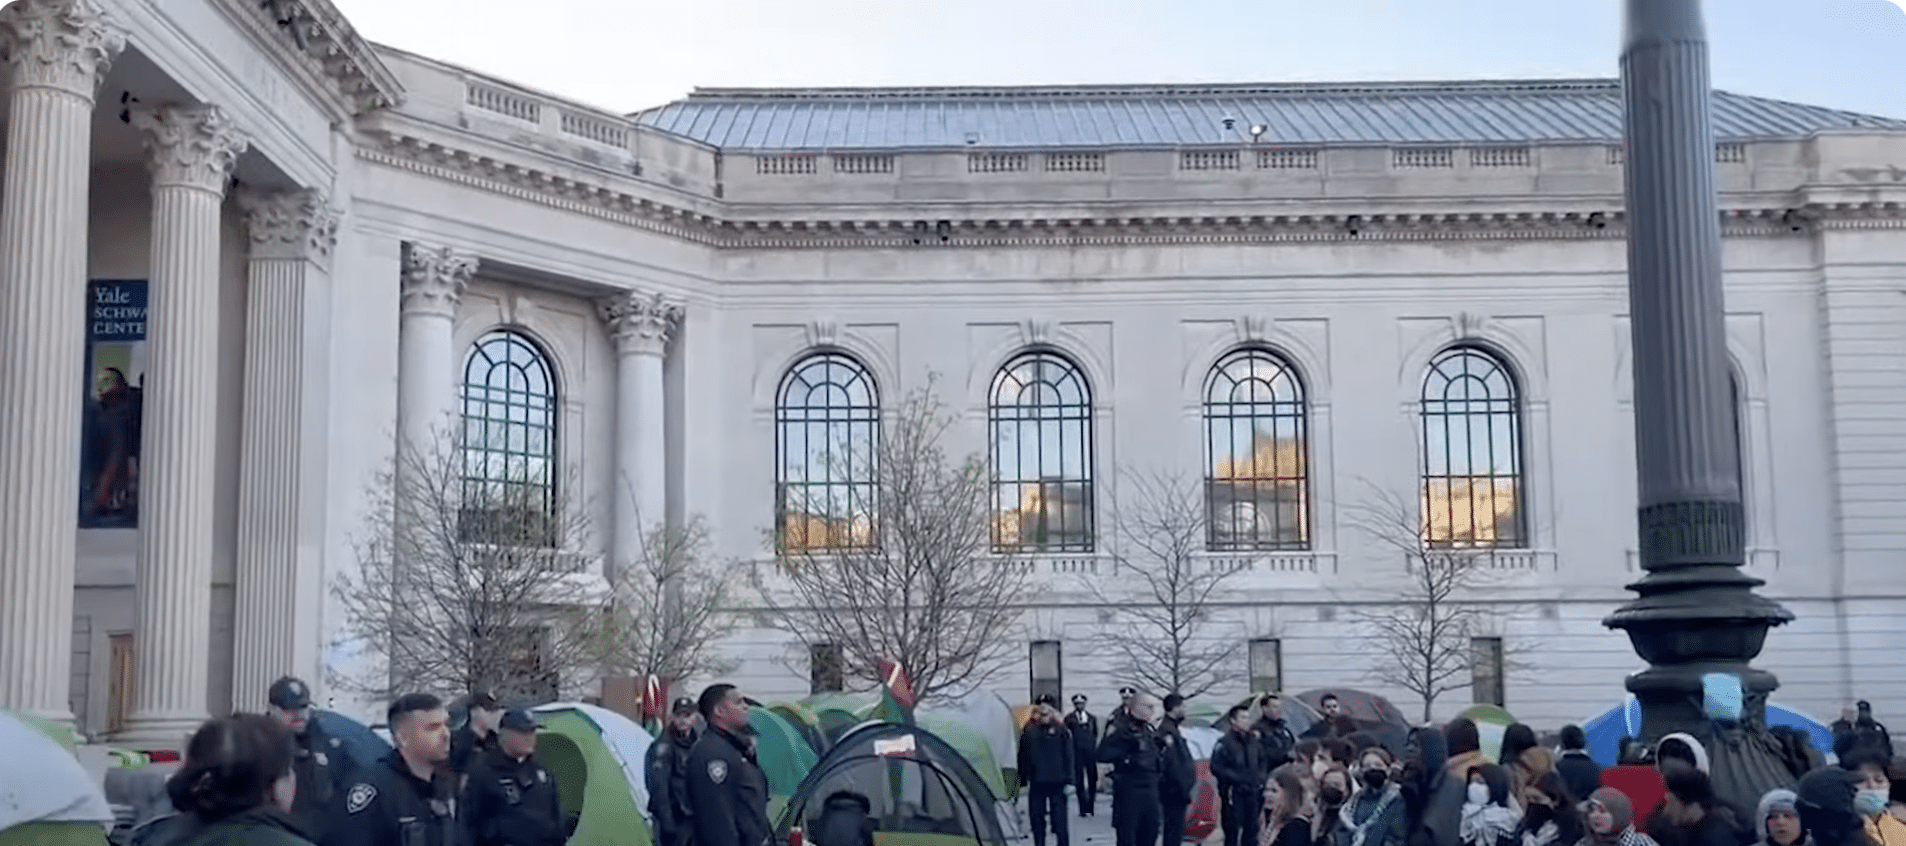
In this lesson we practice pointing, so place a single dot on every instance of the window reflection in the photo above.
(1257, 484)
(1472, 452)
(508, 443)
(1041, 420)
(827, 418)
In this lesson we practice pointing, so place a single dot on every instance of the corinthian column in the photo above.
(190, 151)
(58, 51)
(433, 285)
(641, 325)
(292, 234)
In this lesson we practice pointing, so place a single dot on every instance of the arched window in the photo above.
(1257, 481)
(509, 443)
(1041, 420)
(1472, 452)
(826, 430)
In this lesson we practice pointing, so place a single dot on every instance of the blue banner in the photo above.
(115, 404)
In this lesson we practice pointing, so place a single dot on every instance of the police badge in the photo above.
(718, 771)
(511, 793)
(359, 798)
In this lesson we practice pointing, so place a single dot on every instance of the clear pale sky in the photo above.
(631, 54)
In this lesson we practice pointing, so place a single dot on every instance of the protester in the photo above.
(236, 787)
(1288, 809)
(1778, 822)
(1609, 817)
(1580, 772)
(1378, 814)
(1487, 818)
(1691, 814)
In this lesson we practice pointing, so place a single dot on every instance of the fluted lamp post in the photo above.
(1697, 613)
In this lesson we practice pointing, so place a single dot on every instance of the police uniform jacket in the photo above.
(512, 803)
(727, 792)
(667, 767)
(1135, 751)
(1276, 741)
(1179, 775)
(1238, 762)
(466, 747)
(1045, 755)
(1085, 734)
(387, 805)
(319, 762)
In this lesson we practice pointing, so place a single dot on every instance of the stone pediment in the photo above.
(320, 49)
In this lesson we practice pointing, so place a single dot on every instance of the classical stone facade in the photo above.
(344, 241)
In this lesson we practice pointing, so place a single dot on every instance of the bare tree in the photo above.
(910, 576)
(1423, 633)
(671, 607)
(466, 584)
(1163, 633)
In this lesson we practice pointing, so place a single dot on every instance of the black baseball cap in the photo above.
(517, 719)
(683, 707)
(1046, 699)
(290, 694)
(1078, 699)
(485, 700)
(1126, 693)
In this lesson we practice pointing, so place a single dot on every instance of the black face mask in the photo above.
(1331, 796)
(1540, 814)
(1375, 778)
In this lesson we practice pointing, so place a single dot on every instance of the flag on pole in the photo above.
(654, 700)
(896, 693)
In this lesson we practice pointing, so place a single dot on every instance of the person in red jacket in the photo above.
(1637, 779)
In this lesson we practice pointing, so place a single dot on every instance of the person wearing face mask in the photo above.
(1333, 792)
(1826, 808)
(235, 788)
(1376, 815)
(1549, 817)
(1874, 794)
(1487, 818)
(1778, 822)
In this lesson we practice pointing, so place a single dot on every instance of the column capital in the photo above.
(63, 44)
(295, 224)
(640, 322)
(435, 278)
(191, 146)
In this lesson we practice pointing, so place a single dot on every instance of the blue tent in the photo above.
(361, 746)
(1606, 730)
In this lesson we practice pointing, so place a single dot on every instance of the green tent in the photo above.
(782, 750)
(972, 746)
(838, 713)
(803, 720)
(597, 759)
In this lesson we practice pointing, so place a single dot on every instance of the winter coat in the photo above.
(1579, 773)
(1376, 818)
(258, 827)
(1237, 763)
(1045, 755)
(1180, 776)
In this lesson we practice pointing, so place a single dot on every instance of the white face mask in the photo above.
(1479, 794)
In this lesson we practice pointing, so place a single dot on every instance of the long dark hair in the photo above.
(230, 766)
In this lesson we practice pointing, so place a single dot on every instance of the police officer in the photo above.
(1085, 754)
(1180, 776)
(478, 733)
(727, 792)
(1237, 765)
(317, 759)
(1274, 734)
(667, 767)
(408, 799)
(510, 799)
(1136, 753)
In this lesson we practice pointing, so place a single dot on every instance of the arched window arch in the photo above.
(1472, 452)
(826, 446)
(1257, 480)
(510, 464)
(1041, 421)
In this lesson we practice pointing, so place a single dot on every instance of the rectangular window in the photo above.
(1266, 655)
(1485, 670)
(1047, 678)
(825, 673)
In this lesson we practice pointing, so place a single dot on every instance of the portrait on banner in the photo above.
(114, 405)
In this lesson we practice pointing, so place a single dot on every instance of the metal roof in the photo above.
(1383, 113)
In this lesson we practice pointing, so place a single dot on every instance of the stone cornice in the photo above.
(604, 199)
(325, 45)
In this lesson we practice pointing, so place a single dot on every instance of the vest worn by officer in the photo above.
(316, 801)
(513, 803)
(389, 806)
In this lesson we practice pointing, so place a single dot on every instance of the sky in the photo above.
(627, 55)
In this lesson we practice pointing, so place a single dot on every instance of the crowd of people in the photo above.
(1338, 785)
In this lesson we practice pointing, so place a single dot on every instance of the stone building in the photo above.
(1298, 294)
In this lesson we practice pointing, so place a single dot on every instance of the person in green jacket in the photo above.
(236, 788)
